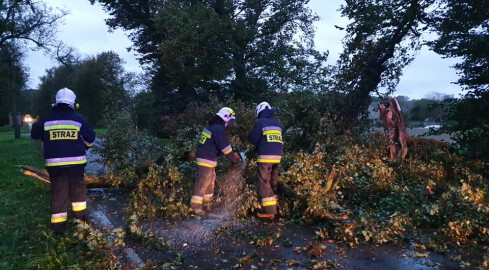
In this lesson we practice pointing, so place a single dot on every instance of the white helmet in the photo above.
(262, 106)
(66, 96)
(227, 114)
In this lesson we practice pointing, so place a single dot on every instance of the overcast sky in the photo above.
(84, 29)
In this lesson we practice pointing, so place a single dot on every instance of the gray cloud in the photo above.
(429, 72)
(328, 37)
(85, 30)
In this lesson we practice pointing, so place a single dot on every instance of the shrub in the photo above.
(315, 192)
(164, 192)
(127, 148)
(185, 128)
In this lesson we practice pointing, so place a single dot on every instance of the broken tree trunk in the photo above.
(393, 120)
(43, 175)
(400, 141)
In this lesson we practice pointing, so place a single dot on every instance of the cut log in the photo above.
(35, 175)
(92, 180)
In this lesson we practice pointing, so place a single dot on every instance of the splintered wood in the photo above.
(400, 141)
(43, 175)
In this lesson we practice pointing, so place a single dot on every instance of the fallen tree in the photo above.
(92, 180)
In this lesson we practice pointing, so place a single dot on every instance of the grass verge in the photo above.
(100, 132)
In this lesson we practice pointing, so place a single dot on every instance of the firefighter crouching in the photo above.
(213, 143)
(266, 137)
(65, 135)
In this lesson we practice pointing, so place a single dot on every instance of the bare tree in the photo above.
(28, 21)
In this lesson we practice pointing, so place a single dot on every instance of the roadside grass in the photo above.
(26, 240)
(7, 132)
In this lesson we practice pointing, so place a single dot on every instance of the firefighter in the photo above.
(266, 138)
(213, 143)
(65, 135)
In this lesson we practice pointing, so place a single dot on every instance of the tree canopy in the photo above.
(99, 83)
(240, 49)
(463, 29)
(379, 43)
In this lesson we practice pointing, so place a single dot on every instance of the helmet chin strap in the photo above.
(226, 124)
(71, 105)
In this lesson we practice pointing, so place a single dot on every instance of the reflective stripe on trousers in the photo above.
(269, 201)
(79, 206)
(208, 197)
(59, 217)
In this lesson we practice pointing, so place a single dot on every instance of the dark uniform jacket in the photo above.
(266, 136)
(65, 134)
(213, 142)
